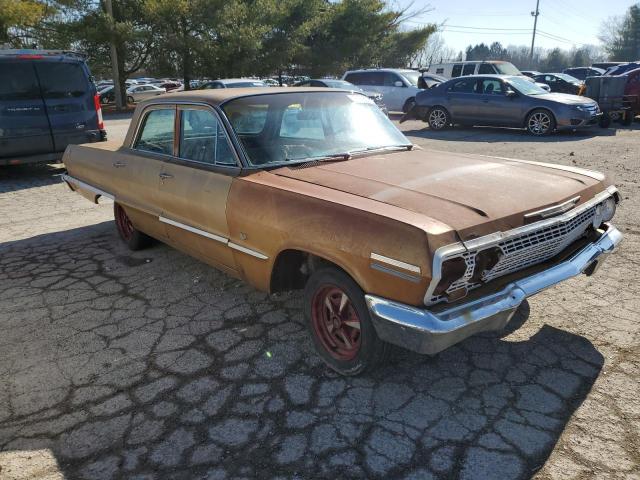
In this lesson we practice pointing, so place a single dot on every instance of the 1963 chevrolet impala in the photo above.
(317, 189)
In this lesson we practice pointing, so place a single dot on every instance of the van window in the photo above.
(486, 69)
(203, 140)
(457, 71)
(439, 71)
(157, 132)
(62, 79)
(390, 79)
(469, 69)
(18, 81)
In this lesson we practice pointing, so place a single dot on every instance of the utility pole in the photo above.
(535, 25)
(114, 58)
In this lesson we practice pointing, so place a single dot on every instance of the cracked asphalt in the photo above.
(152, 365)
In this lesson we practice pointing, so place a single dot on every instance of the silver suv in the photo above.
(398, 86)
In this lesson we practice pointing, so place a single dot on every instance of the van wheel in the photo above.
(130, 99)
(540, 122)
(340, 324)
(135, 239)
(408, 105)
(438, 118)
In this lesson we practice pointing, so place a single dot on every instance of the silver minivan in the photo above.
(398, 86)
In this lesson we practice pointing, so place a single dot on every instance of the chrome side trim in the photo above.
(248, 251)
(391, 271)
(554, 209)
(86, 186)
(191, 229)
(425, 331)
(494, 238)
(395, 263)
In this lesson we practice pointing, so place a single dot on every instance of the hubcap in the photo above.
(125, 227)
(335, 322)
(437, 119)
(539, 123)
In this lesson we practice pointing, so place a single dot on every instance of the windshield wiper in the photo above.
(348, 155)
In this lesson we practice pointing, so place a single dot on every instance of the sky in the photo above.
(561, 23)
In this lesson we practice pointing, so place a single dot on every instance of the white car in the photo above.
(398, 86)
(137, 93)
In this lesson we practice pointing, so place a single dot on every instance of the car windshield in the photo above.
(412, 76)
(506, 68)
(341, 84)
(526, 87)
(295, 127)
(567, 78)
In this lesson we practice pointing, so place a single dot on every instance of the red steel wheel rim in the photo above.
(336, 322)
(124, 224)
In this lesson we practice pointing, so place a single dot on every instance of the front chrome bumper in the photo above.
(424, 331)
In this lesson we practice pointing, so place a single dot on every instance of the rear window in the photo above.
(62, 80)
(18, 81)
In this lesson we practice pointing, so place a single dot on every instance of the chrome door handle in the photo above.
(119, 164)
(164, 176)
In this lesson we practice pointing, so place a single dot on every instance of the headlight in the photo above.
(580, 108)
(608, 209)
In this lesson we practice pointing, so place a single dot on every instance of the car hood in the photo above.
(565, 98)
(474, 195)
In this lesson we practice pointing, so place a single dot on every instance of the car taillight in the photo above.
(96, 102)
(30, 57)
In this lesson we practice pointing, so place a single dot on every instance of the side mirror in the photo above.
(398, 83)
(511, 93)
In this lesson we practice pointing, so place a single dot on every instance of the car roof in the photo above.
(222, 95)
(236, 80)
(381, 70)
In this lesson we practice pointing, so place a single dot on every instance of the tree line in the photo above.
(218, 38)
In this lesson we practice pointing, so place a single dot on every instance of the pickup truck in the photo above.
(316, 189)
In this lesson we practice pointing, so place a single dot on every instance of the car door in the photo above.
(24, 127)
(136, 168)
(394, 90)
(194, 185)
(69, 99)
(496, 108)
(462, 99)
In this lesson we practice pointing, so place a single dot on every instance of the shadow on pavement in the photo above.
(153, 365)
(20, 177)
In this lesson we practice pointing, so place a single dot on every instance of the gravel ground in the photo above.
(152, 365)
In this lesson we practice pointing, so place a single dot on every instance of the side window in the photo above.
(314, 83)
(439, 71)
(202, 139)
(457, 71)
(491, 87)
(486, 69)
(469, 69)
(549, 79)
(390, 79)
(354, 78)
(156, 134)
(464, 86)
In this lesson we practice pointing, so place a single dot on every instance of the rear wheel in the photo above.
(438, 118)
(540, 122)
(340, 323)
(135, 239)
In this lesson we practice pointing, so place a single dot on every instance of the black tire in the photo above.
(409, 104)
(130, 99)
(540, 122)
(133, 238)
(438, 118)
(325, 284)
(605, 120)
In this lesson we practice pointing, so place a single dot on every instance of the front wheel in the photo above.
(340, 324)
(540, 122)
(135, 239)
(438, 118)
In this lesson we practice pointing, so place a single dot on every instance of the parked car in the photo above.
(107, 94)
(321, 191)
(169, 85)
(502, 101)
(561, 83)
(397, 86)
(583, 72)
(232, 83)
(376, 97)
(47, 101)
(530, 73)
(137, 93)
(622, 69)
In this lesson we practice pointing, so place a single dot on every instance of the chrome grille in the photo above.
(522, 251)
